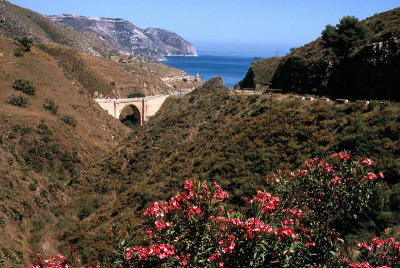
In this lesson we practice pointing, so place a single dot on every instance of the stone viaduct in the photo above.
(146, 106)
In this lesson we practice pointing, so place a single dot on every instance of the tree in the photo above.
(350, 32)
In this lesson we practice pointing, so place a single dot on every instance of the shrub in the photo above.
(68, 119)
(87, 205)
(50, 105)
(19, 100)
(348, 33)
(294, 227)
(19, 52)
(136, 95)
(395, 198)
(25, 86)
(289, 222)
(25, 43)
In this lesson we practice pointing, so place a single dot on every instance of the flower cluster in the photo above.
(266, 200)
(376, 254)
(341, 155)
(160, 251)
(59, 261)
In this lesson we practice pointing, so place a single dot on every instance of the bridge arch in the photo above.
(130, 116)
(137, 107)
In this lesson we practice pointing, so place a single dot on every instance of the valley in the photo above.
(94, 135)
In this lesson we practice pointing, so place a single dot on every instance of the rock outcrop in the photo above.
(146, 44)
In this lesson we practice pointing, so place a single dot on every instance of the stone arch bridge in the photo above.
(146, 106)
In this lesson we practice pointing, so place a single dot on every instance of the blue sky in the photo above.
(235, 25)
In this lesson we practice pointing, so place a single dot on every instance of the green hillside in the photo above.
(365, 68)
(213, 134)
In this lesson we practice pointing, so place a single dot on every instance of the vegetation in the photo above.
(292, 226)
(354, 59)
(19, 100)
(25, 42)
(235, 140)
(25, 86)
(50, 105)
(24, 45)
(39, 160)
(51, 193)
(68, 119)
(349, 33)
(136, 95)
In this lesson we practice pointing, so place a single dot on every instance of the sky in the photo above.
(266, 26)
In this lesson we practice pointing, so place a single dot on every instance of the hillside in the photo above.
(40, 154)
(148, 44)
(19, 22)
(369, 70)
(43, 151)
(214, 134)
(110, 78)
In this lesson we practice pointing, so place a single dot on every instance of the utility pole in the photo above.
(270, 91)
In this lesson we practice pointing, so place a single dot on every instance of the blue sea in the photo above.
(232, 68)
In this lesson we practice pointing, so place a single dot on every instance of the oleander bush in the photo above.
(289, 222)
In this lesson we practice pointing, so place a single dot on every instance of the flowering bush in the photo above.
(60, 261)
(378, 253)
(290, 222)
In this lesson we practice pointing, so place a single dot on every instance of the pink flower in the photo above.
(367, 162)
(193, 210)
(219, 193)
(220, 264)
(128, 254)
(341, 155)
(310, 244)
(372, 176)
(336, 180)
(189, 185)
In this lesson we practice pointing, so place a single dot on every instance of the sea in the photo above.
(230, 66)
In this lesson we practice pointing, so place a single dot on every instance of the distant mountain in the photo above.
(369, 70)
(151, 43)
(17, 22)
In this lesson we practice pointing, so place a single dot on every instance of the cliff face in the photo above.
(148, 44)
(370, 71)
(170, 43)
(17, 22)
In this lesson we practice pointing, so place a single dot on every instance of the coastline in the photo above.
(232, 68)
